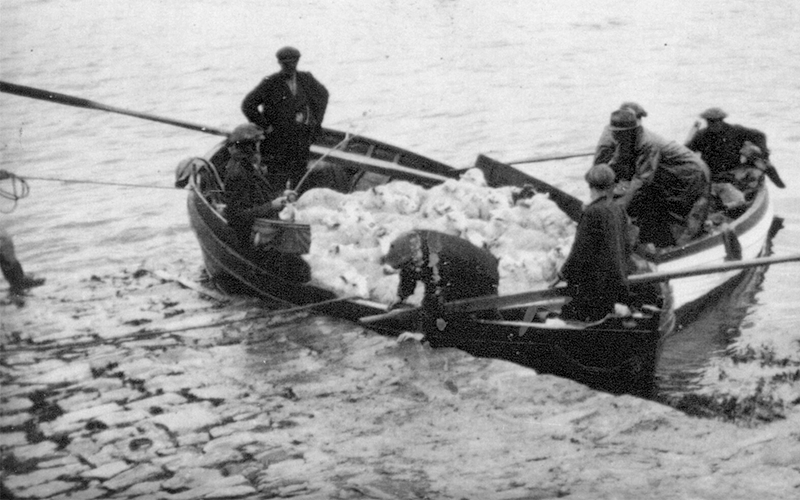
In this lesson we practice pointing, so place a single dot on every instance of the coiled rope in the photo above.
(19, 189)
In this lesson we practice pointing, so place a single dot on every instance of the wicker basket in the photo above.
(285, 237)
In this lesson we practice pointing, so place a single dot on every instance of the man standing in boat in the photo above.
(596, 268)
(721, 144)
(668, 193)
(289, 106)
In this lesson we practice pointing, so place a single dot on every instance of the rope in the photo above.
(104, 183)
(19, 189)
(347, 138)
(144, 333)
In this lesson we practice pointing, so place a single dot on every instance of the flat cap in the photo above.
(637, 109)
(622, 119)
(247, 132)
(288, 54)
(600, 176)
(713, 114)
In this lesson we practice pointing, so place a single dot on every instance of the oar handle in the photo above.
(394, 314)
(636, 279)
(46, 95)
(539, 159)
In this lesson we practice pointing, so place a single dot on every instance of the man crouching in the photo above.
(449, 267)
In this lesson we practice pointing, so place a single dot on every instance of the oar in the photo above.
(46, 95)
(500, 174)
(549, 295)
(539, 159)
(537, 297)
(637, 279)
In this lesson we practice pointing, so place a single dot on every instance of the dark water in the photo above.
(448, 79)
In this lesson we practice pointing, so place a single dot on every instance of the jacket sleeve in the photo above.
(757, 137)
(235, 195)
(583, 247)
(239, 201)
(605, 149)
(408, 282)
(318, 97)
(252, 101)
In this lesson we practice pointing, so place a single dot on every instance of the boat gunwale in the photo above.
(740, 225)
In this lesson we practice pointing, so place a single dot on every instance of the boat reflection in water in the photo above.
(708, 331)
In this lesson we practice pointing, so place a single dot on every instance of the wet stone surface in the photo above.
(297, 406)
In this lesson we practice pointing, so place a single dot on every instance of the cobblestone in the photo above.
(164, 418)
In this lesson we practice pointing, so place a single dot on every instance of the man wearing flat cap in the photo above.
(290, 106)
(596, 268)
(668, 193)
(606, 145)
(720, 144)
(248, 194)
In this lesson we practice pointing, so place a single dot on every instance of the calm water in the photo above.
(447, 78)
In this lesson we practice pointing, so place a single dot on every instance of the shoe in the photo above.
(25, 283)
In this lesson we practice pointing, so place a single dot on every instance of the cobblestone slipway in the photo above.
(131, 386)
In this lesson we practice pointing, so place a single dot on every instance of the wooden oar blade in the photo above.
(68, 100)
(44, 95)
(499, 174)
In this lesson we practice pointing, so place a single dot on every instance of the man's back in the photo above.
(720, 146)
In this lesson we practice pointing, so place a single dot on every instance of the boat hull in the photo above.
(752, 232)
(616, 355)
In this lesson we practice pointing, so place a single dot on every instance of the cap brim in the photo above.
(620, 129)
(245, 141)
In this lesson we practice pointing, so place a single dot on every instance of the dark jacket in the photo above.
(604, 151)
(596, 268)
(452, 268)
(675, 176)
(720, 148)
(248, 195)
(273, 107)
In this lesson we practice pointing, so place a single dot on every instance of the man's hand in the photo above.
(555, 281)
(399, 305)
(288, 196)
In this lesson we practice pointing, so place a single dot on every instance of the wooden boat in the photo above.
(616, 354)
(613, 354)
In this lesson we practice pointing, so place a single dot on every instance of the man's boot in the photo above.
(18, 280)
